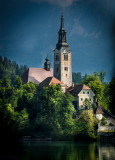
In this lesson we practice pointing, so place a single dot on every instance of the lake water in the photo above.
(59, 151)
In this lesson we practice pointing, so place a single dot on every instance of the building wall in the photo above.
(62, 68)
(99, 116)
(83, 95)
(63, 89)
(57, 65)
(106, 128)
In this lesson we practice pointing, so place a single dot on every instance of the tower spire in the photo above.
(47, 64)
(62, 21)
(62, 57)
(62, 42)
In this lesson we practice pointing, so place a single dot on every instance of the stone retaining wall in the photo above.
(106, 128)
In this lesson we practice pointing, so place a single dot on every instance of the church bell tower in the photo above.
(47, 64)
(62, 57)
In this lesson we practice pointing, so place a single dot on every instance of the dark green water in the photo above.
(59, 151)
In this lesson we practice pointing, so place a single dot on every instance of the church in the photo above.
(62, 63)
(61, 72)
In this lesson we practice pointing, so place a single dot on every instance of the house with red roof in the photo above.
(81, 92)
(52, 80)
(99, 112)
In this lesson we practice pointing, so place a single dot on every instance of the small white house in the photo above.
(81, 92)
(99, 113)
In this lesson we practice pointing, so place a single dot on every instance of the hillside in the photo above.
(10, 68)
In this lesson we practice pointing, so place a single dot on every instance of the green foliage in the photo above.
(87, 103)
(102, 76)
(10, 69)
(106, 97)
(56, 112)
(104, 92)
(86, 124)
(10, 119)
(95, 84)
(103, 121)
(112, 96)
(23, 120)
(25, 110)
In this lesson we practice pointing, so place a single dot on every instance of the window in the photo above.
(65, 57)
(83, 92)
(81, 99)
(90, 99)
(87, 92)
(66, 68)
(57, 69)
(81, 106)
(66, 75)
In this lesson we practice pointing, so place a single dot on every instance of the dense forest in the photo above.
(27, 111)
(10, 69)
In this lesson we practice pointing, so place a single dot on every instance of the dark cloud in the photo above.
(62, 3)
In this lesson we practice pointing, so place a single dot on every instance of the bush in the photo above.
(103, 121)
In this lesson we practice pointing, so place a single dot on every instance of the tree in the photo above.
(10, 69)
(84, 77)
(112, 96)
(67, 115)
(55, 117)
(106, 97)
(102, 76)
(86, 124)
(103, 121)
(95, 84)
(87, 103)
(18, 82)
(49, 100)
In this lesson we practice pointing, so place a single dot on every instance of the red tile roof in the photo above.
(50, 80)
(99, 110)
(36, 75)
(85, 87)
(77, 88)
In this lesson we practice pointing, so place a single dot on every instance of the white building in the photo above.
(81, 92)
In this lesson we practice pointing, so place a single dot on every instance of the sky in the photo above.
(29, 32)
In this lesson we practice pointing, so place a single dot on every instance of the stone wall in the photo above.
(106, 128)
(66, 75)
(60, 73)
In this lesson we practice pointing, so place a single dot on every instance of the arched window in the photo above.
(65, 57)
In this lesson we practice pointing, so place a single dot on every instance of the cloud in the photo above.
(80, 30)
(62, 3)
(108, 5)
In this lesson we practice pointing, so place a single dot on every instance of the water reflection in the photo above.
(68, 151)
(60, 151)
